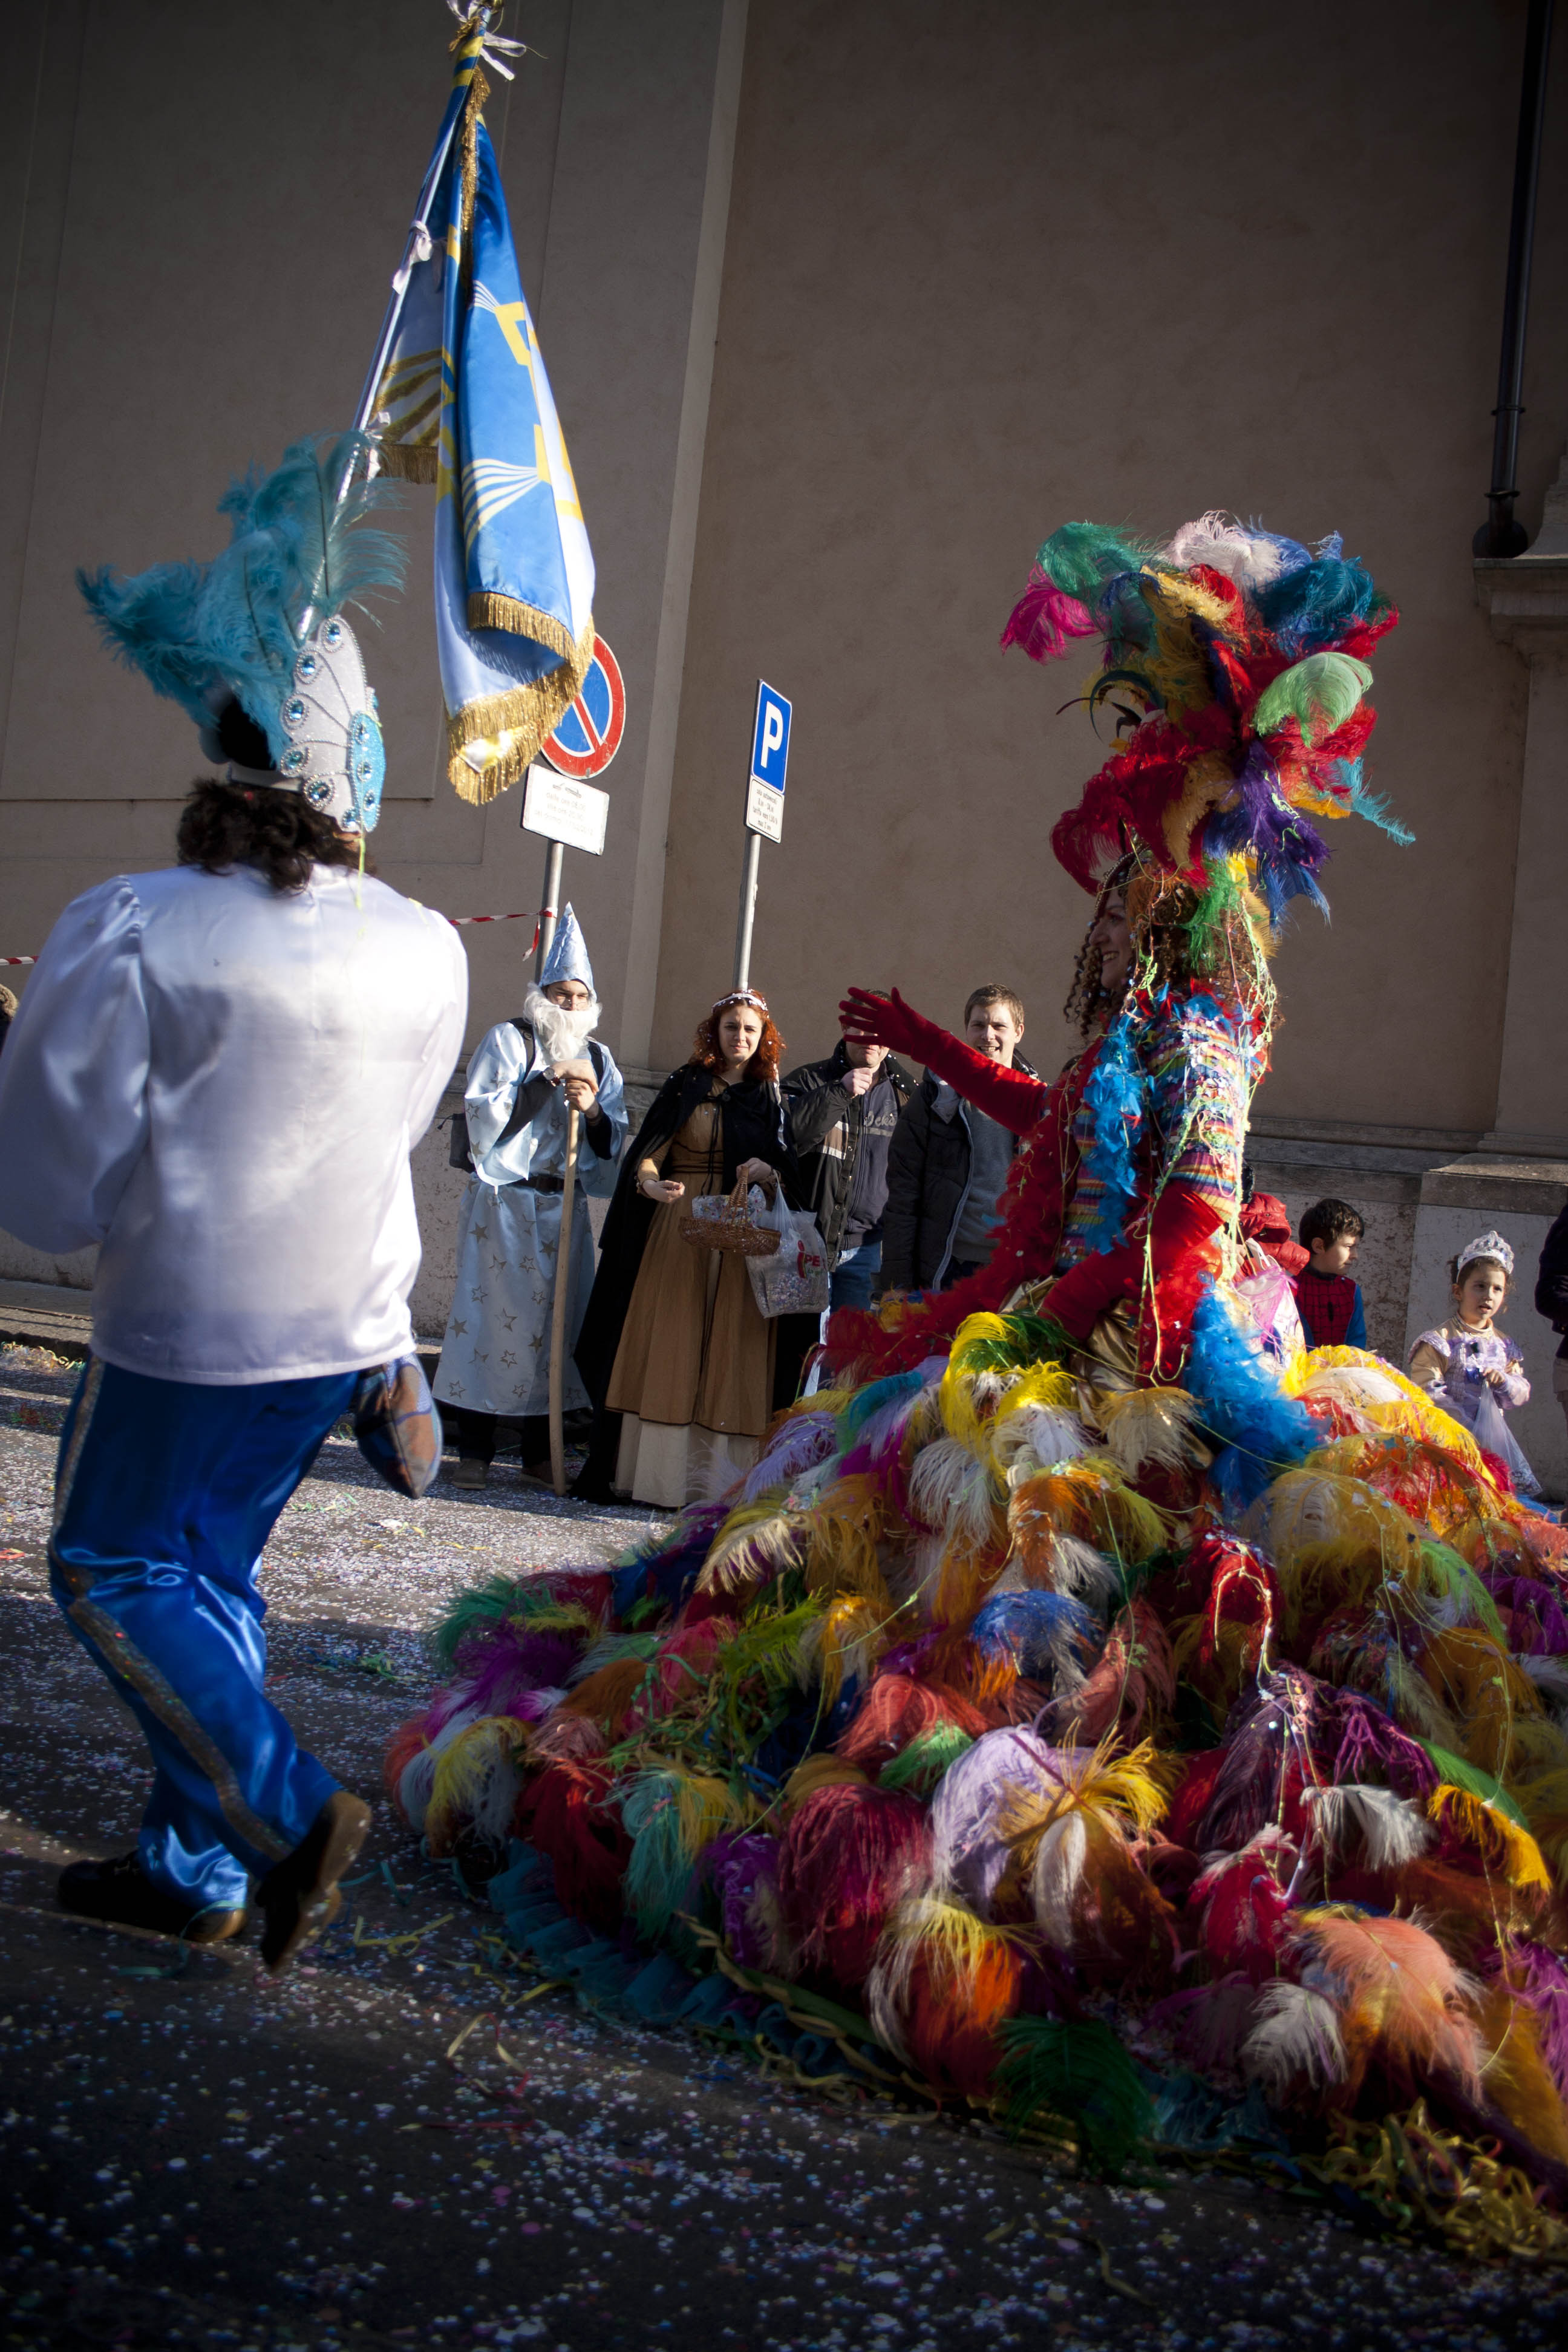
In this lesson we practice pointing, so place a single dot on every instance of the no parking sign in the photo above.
(589, 735)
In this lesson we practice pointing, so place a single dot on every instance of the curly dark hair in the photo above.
(1177, 935)
(226, 825)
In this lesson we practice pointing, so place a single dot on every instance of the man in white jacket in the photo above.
(216, 1074)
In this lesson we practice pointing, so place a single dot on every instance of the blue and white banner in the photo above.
(464, 402)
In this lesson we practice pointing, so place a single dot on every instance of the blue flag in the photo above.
(464, 402)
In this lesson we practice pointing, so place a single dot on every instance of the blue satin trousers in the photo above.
(165, 1493)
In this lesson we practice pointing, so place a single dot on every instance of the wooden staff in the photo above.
(561, 1300)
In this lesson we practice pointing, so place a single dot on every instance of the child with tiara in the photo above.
(1474, 1371)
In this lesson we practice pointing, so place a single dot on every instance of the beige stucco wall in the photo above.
(994, 267)
(200, 211)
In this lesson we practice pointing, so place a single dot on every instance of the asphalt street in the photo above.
(411, 2141)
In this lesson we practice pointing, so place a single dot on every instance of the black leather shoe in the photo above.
(120, 1893)
(300, 1895)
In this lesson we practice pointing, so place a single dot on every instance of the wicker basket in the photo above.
(721, 1221)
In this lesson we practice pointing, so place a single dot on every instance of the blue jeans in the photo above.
(850, 1281)
(165, 1493)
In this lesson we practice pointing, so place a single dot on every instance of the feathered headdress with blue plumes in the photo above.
(261, 628)
(1235, 661)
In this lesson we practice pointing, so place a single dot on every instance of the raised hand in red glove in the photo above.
(869, 1020)
(1012, 1098)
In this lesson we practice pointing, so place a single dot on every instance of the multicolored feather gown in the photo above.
(1076, 1691)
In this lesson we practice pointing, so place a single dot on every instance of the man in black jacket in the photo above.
(948, 1163)
(1551, 1300)
(842, 1114)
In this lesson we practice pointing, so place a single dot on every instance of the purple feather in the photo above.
(1541, 1607)
(1539, 1980)
(1372, 1747)
(738, 1866)
(800, 1446)
(969, 1853)
(494, 1668)
(1290, 852)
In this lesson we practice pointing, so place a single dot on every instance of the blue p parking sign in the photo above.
(770, 761)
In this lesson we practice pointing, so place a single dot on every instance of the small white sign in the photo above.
(564, 810)
(764, 809)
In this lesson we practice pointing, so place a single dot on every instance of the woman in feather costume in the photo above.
(1095, 1705)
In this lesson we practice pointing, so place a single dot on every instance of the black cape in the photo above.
(753, 1124)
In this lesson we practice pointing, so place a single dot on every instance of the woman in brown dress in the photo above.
(673, 1346)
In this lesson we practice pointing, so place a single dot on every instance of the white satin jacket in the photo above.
(220, 1084)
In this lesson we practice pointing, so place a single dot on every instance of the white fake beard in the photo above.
(560, 1035)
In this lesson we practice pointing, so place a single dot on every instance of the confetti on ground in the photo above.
(414, 2140)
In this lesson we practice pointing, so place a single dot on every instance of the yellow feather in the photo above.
(848, 1638)
(1500, 1843)
(755, 1542)
(824, 1770)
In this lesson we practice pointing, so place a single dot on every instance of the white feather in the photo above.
(1297, 2034)
(417, 1778)
(892, 1969)
(1149, 1425)
(950, 1490)
(1088, 1575)
(1218, 539)
(1034, 1438)
(1058, 1875)
(1549, 1676)
(1393, 1829)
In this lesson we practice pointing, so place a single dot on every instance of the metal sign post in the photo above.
(565, 812)
(764, 810)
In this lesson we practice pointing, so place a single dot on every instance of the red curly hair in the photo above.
(763, 1064)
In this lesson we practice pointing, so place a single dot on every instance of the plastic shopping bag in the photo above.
(794, 1281)
(1493, 1435)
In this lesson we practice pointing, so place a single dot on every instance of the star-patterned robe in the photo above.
(495, 1356)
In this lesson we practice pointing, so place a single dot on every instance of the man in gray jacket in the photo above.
(948, 1163)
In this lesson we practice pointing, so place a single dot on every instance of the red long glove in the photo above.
(1012, 1099)
(1181, 1230)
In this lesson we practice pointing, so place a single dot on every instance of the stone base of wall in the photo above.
(1421, 1203)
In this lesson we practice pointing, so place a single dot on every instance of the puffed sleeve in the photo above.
(1428, 1364)
(73, 1076)
(489, 1092)
(1514, 1388)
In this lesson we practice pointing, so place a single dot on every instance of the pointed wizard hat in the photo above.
(568, 957)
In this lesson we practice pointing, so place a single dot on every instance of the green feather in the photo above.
(921, 1765)
(1453, 1579)
(1474, 1781)
(1321, 692)
(1081, 557)
(1077, 2069)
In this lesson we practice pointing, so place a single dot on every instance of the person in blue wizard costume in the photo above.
(525, 1077)
(215, 1075)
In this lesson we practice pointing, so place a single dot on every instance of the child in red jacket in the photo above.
(1329, 1302)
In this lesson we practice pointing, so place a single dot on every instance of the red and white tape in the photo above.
(545, 913)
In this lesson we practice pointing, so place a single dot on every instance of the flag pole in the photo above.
(549, 915)
(563, 1297)
(417, 249)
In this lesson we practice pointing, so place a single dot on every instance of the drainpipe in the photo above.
(1501, 534)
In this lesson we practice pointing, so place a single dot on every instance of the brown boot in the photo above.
(299, 1896)
(120, 1894)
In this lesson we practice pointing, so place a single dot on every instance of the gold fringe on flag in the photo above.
(506, 729)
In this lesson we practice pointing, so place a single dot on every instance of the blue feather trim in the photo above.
(1116, 1100)
(1242, 1403)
